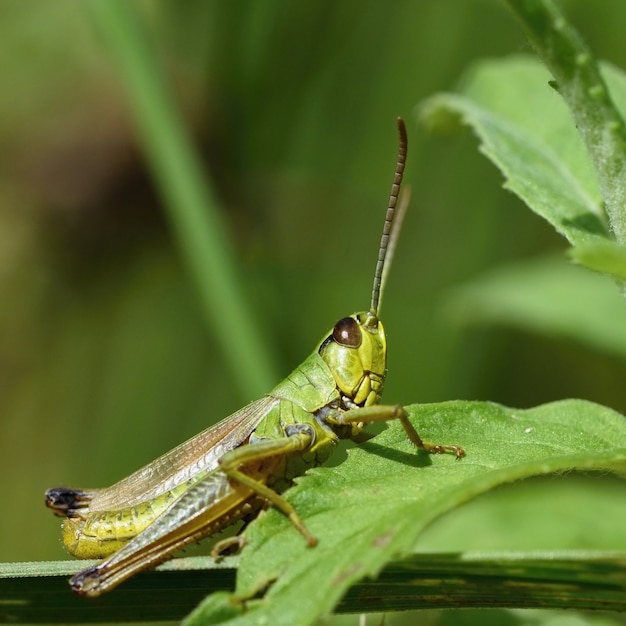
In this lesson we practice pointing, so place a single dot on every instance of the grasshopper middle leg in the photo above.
(298, 441)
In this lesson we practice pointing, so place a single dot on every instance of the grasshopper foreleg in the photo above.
(386, 413)
(300, 438)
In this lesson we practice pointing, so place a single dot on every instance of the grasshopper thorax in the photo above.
(355, 351)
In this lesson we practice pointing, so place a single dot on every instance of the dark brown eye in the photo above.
(347, 333)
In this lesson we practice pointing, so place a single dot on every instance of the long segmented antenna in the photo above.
(403, 204)
(391, 227)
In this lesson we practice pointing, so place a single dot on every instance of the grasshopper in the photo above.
(239, 466)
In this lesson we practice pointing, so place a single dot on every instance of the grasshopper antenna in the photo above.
(391, 228)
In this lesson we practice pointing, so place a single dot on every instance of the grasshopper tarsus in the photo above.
(435, 448)
(229, 545)
(87, 582)
(458, 451)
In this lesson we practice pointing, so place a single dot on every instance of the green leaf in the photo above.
(526, 130)
(546, 296)
(371, 508)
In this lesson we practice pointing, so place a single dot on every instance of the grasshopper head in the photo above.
(356, 353)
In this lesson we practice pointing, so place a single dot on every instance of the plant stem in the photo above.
(567, 579)
(581, 85)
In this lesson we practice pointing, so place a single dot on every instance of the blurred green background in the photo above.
(105, 358)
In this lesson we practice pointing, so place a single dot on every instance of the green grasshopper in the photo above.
(239, 466)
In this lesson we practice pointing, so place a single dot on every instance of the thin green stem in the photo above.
(581, 85)
(38, 592)
(189, 201)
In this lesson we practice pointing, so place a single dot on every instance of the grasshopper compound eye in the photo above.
(347, 333)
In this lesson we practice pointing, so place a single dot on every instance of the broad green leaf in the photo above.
(372, 507)
(526, 130)
(548, 296)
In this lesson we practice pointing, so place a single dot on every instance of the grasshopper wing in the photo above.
(198, 454)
